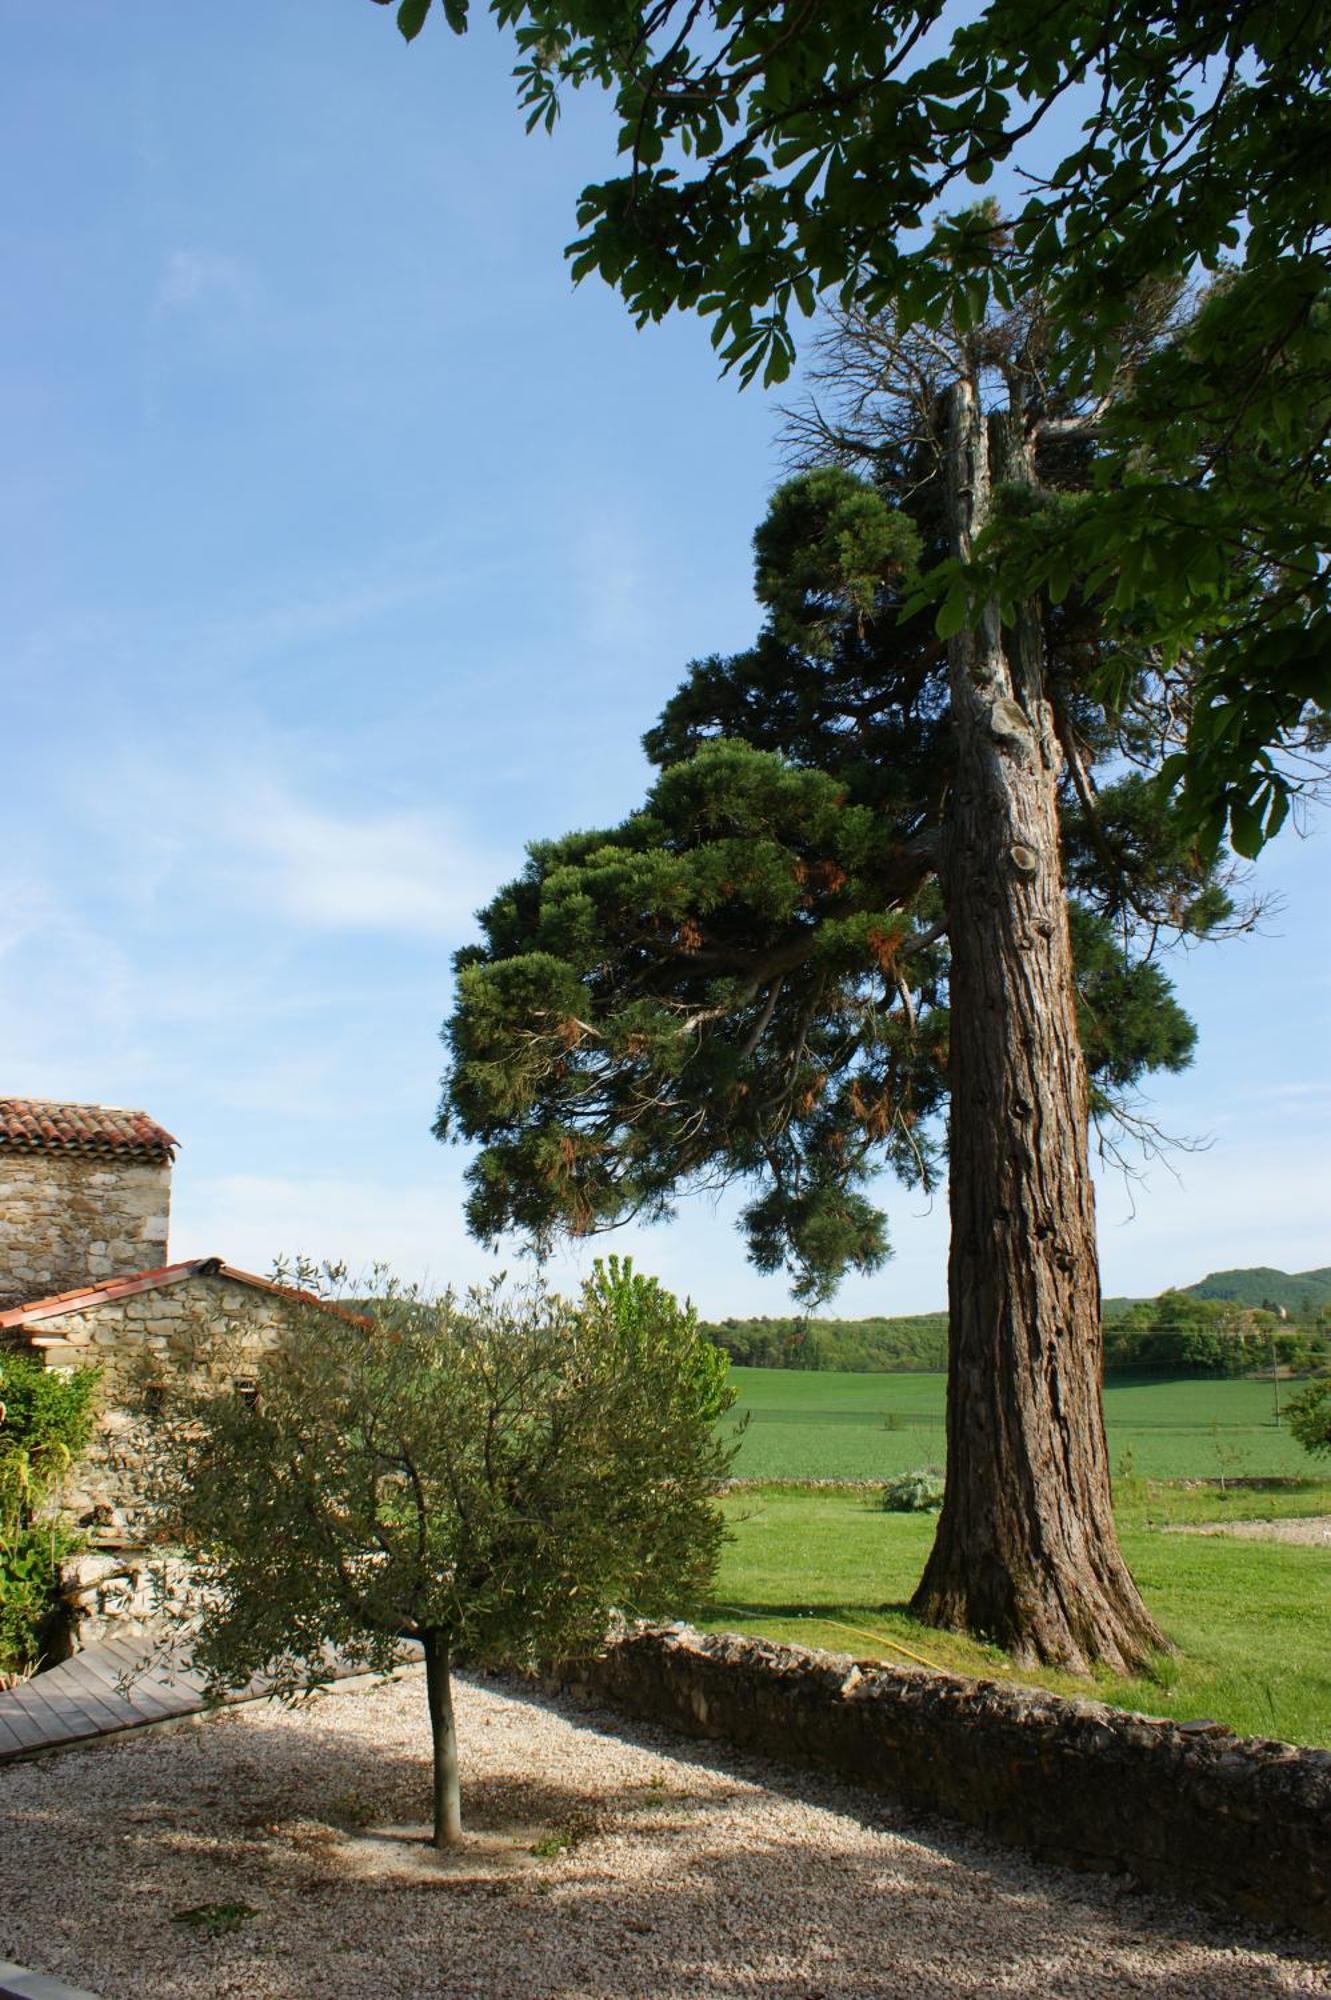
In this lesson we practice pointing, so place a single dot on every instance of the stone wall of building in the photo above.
(71, 1219)
(206, 1327)
(119, 1593)
(1232, 1822)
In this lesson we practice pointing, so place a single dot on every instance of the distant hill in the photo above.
(1301, 1294)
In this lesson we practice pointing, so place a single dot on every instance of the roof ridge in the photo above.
(55, 1125)
(107, 1290)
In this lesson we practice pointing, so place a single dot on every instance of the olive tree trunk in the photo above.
(1026, 1552)
(443, 1732)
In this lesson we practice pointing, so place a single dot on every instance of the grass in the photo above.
(817, 1567)
(1248, 1619)
(806, 1425)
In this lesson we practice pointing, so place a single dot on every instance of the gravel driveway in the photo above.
(687, 1872)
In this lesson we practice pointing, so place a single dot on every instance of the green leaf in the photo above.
(411, 18)
(953, 614)
(1245, 831)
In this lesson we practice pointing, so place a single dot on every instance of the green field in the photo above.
(1251, 1620)
(805, 1425)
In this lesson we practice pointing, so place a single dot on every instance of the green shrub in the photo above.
(45, 1422)
(917, 1492)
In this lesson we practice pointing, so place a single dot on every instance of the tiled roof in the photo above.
(34, 1125)
(110, 1289)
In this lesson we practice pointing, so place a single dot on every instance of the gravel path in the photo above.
(1314, 1530)
(689, 1874)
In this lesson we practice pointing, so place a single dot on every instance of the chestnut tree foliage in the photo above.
(773, 153)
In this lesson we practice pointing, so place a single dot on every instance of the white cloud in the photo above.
(614, 597)
(410, 873)
(236, 833)
(194, 280)
(1257, 1197)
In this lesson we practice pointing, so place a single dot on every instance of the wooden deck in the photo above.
(117, 1684)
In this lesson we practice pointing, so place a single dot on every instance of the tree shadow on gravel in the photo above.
(644, 1896)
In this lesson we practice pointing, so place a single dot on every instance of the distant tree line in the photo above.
(1174, 1333)
(849, 1346)
(1177, 1332)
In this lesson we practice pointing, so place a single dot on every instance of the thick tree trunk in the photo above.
(447, 1791)
(1026, 1552)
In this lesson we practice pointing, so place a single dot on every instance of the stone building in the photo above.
(85, 1193)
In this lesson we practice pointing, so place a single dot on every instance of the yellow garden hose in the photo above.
(879, 1638)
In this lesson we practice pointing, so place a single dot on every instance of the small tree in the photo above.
(1310, 1418)
(491, 1478)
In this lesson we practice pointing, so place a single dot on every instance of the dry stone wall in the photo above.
(1231, 1822)
(70, 1219)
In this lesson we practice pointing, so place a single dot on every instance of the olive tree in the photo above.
(490, 1477)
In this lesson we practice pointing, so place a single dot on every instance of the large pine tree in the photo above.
(875, 877)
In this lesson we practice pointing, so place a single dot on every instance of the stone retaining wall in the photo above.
(1232, 1822)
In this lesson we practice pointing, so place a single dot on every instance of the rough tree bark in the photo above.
(1026, 1551)
(443, 1732)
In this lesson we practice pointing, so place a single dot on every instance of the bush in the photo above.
(45, 1422)
(918, 1492)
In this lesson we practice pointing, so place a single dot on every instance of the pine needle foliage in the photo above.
(747, 979)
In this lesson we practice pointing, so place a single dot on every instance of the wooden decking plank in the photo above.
(64, 1706)
(86, 1698)
(105, 1676)
(89, 1689)
(58, 1713)
(83, 1698)
(41, 1702)
(15, 1734)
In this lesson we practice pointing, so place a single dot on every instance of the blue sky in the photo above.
(345, 549)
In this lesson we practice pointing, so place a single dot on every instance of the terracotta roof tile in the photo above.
(35, 1125)
(109, 1289)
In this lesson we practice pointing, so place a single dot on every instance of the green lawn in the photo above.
(806, 1425)
(1251, 1620)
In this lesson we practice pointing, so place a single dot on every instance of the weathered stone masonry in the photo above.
(200, 1321)
(85, 1194)
(1234, 1822)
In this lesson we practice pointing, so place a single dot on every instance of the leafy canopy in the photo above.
(1310, 1417)
(779, 152)
(497, 1473)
